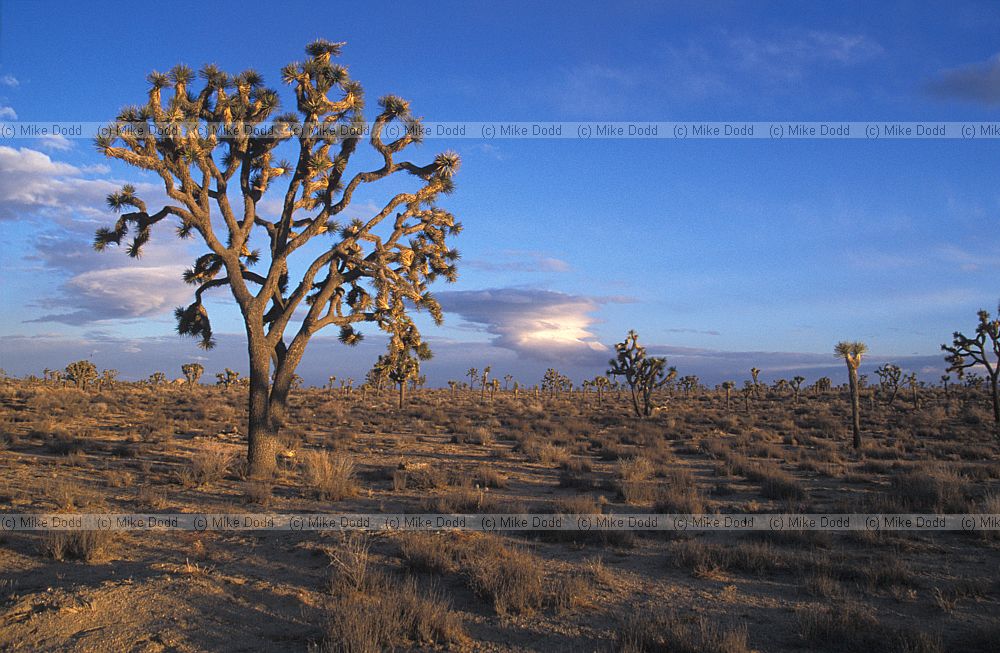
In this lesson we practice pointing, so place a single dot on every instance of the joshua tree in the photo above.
(473, 374)
(823, 384)
(689, 383)
(483, 382)
(642, 373)
(108, 380)
(945, 378)
(219, 143)
(82, 373)
(601, 385)
(507, 378)
(748, 388)
(227, 379)
(377, 376)
(889, 376)
(453, 385)
(852, 353)
(796, 384)
(755, 372)
(728, 387)
(982, 350)
(157, 379)
(192, 372)
(913, 384)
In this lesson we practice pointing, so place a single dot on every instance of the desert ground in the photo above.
(137, 447)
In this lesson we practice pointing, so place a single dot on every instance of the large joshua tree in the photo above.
(982, 350)
(852, 352)
(216, 150)
(642, 373)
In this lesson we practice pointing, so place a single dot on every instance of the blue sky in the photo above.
(722, 254)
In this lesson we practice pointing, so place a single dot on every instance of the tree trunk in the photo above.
(261, 436)
(996, 403)
(855, 406)
(402, 392)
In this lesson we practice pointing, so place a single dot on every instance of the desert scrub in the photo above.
(635, 484)
(390, 613)
(88, 546)
(330, 476)
(511, 578)
(206, 467)
(661, 630)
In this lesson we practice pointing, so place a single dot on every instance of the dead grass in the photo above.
(330, 476)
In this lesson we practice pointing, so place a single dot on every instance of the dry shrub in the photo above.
(511, 578)
(390, 614)
(679, 494)
(88, 546)
(850, 627)
(429, 552)
(930, 489)
(331, 476)
(662, 630)
(635, 483)
(206, 467)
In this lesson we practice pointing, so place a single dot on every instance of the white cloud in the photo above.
(121, 293)
(976, 82)
(544, 324)
(9, 80)
(7, 113)
(54, 142)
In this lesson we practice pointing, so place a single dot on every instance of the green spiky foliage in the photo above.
(192, 372)
(889, 376)
(643, 374)
(216, 142)
(81, 373)
(852, 352)
(982, 350)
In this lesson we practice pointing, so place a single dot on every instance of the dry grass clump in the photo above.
(679, 494)
(635, 480)
(329, 475)
(849, 627)
(389, 614)
(511, 578)
(206, 467)
(929, 489)
(656, 630)
(88, 546)
(427, 552)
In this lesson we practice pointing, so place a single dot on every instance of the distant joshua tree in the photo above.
(889, 376)
(982, 350)
(642, 373)
(215, 179)
(507, 378)
(796, 384)
(108, 380)
(755, 372)
(728, 387)
(81, 373)
(748, 389)
(483, 382)
(192, 372)
(473, 374)
(157, 379)
(912, 383)
(852, 352)
(227, 379)
(823, 384)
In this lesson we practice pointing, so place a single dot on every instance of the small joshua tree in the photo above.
(227, 379)
(157, 379)
(747, 393)
(852, 352)
(889, 376)
(473, 374)
(192, 373)
(108, 380)
(728, 387)
(981, 350)
(642, 373)
(82, 373)
(755, 372)
(216, 150)
(796, 384)
(483, 383)
(507, 378)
